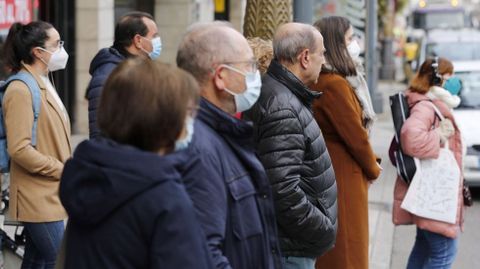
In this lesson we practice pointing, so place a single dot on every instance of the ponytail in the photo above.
(11, 57)
(21, 39)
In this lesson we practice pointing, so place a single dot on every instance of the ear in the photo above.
(137, 41)
(36, 52)
(219, 78)
(304, 58)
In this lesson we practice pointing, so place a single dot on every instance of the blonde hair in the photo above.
(263, 52)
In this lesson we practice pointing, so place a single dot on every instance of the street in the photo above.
(390, 246)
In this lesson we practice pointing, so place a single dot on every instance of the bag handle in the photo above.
(437, 112)
(441, 117)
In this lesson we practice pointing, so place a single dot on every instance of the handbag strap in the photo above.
(441, 117)
(437, 112)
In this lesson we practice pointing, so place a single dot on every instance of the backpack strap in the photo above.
(32, 84)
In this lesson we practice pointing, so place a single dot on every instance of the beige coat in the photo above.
(35, 172)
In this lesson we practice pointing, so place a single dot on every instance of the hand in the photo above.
(379, 166)
(370, 181)
(445, 130)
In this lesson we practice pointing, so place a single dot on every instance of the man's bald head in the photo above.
(206, 44)
(291, 39)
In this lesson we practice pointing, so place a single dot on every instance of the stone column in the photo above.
(94, 27)
(174, 16)
(237, 13)
(262, 17)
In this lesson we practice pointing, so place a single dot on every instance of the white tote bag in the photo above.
(433, 192)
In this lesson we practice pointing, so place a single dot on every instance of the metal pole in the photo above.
(303, 11)
(371, 56)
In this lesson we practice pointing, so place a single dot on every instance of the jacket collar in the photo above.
(30, 70)
(287, 78)
(222, 122)
(415, 97)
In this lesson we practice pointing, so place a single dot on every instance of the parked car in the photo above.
(456, 45)
(467, 116)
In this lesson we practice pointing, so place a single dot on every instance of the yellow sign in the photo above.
(219, 6)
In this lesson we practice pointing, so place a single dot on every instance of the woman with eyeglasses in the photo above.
(38, 138)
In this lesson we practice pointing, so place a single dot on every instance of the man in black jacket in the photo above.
(290, 146)
(228, 185)
(136, 35)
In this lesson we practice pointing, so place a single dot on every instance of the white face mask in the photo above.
(249, 97)
(58, 60)
(354, 49)
(184, 142)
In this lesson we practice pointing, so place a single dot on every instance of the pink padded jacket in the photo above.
(420, 140)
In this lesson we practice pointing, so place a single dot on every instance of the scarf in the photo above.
(360, 88)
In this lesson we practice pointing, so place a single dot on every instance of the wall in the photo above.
(174, 16)
(94, 29)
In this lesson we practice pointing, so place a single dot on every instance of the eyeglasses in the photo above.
(251, 65)
(58, 46)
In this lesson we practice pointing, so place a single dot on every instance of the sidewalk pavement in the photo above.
(381, 192)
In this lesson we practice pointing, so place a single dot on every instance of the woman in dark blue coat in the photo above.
(123, 192)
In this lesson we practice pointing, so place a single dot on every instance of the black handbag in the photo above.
(467, 195)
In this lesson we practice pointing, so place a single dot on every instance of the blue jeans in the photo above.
(43, 243)
(298, 263)
(432, 251)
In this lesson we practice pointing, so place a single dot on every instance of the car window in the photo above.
(470, 93)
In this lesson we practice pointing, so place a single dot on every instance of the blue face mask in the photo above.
(184, 142)
(156, 48)
(453, 85)
(246, 99)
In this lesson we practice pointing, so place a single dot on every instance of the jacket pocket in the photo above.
(323, 209)
(244, 211)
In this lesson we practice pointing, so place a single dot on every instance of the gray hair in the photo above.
(204, 45)
(291, 39)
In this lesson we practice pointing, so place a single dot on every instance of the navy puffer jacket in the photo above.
(100, 68)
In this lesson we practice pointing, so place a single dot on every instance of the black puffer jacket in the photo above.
(291, 147)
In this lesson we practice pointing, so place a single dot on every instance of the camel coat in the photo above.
(35, 172)
(339, 115)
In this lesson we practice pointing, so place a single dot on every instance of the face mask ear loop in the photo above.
(52, 80)
(42, 60)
